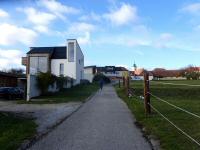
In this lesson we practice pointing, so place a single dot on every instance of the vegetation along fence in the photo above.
(149, 106)
(146, 99)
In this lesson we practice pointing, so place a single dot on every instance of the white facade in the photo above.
(89, 73)
(115, 74)
(32, 90)
(141, 77)
(72, 66)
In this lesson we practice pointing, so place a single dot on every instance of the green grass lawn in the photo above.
(14, 130)
(76, 93)
(182, 96)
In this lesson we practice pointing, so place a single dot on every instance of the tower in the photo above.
(135, 66)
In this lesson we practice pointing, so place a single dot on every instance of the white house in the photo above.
(138, 74)
(62, 60)
(89, 72)
(112, 72)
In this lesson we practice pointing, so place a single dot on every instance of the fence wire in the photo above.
(183, 132)
(179, 108)
(178, 128)
(184, 110)
(180, 84)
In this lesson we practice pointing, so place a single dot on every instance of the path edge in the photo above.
(30, 142)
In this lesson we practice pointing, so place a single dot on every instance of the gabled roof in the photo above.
(121, 69)
(11, 75)
(86, 67)
(59, 53)
(104, 69)
(54, 52)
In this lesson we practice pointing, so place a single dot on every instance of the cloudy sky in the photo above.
(154, 33)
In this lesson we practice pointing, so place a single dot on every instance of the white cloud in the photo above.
(82, 31)
(3, 13)
(38, 17)
(57, 8)
(81, 27)
(163, 40)
(92, 16)
(11, 34)
(41, 28)
(123, 40)
(193, 8)
(136, 42)
(85, 39)
(166, 36)
(10, 58)
(123, 15)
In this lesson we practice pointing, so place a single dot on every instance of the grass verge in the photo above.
(14, 130)
(76, 93)
(182, 96)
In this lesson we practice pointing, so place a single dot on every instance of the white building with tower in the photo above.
(59, 60)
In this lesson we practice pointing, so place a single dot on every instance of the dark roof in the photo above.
(55, 52)
(59, 53)
(11, 75)
(165, 73)
(121, 69)
(41, 50)
(89, 67)
(103, 69)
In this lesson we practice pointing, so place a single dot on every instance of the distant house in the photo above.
(12, 80)
(138, 74)
(160, 73)
(114, 73)
(59, 60)
(8, 80)
(89, 72)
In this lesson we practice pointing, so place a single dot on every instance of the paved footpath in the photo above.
(103, 123)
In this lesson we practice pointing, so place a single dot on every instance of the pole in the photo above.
(119, 84)
(123, 81)
(146, 93)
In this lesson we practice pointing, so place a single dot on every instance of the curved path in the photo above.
(103, 123)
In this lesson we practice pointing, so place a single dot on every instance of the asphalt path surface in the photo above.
(102, 123)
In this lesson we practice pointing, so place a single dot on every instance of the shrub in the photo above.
(99, 77)
(44, 80)
(84, 81)
(192, 75)
(61, 82)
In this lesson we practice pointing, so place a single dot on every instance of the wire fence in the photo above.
(184, 110)
(146, 101)
(178, 84)
(183, 132)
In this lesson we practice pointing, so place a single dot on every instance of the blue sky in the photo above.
(152, 33)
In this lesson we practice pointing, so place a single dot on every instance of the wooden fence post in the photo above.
(146, 93)
(128, 82)
(119, 84)
(127, 85)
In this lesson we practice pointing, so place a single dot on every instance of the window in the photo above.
(61, 69)
(71, 51)
(42, 64)
(38, 64)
